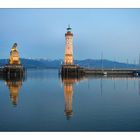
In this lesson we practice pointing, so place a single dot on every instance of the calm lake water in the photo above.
(45, 102)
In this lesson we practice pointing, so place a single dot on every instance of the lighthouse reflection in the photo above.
(68, 84)
(68, 96)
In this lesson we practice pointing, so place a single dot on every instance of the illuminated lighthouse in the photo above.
(68, 58)
(68, 68)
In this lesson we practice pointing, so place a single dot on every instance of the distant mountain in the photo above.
(93, 63)
(90, 63)
(36, 63)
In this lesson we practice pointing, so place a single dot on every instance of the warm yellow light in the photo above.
(14, 55)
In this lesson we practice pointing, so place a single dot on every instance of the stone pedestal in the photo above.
(71, 71)
(13, 71)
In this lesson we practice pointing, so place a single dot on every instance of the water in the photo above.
(45, 102)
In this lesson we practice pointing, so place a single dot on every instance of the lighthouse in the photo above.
(68, 68)
(68, 58)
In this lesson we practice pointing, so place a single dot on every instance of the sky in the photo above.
(40, 33)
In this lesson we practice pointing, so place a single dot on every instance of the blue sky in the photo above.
(40, 33)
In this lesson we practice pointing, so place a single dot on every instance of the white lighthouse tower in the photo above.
(68, 69)
(68, 58)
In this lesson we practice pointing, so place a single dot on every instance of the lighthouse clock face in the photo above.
(69, 41)
(68, 44)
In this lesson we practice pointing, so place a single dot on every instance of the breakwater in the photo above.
(75, 70)
(123, 72)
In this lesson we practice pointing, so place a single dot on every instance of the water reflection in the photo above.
(14, 88)
(14, 85)
(68, 94)
(97, 103)
(68, 83)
